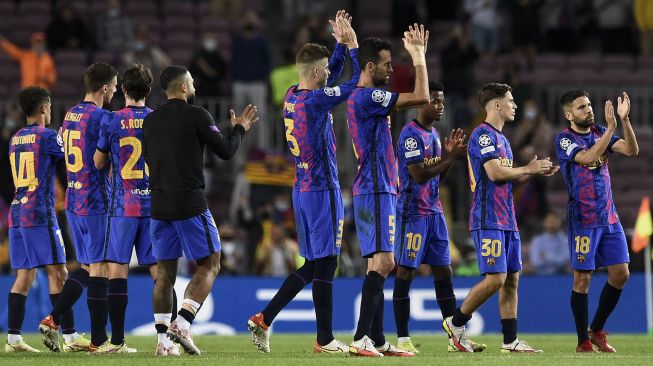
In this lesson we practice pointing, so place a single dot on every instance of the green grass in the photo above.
(294, 350)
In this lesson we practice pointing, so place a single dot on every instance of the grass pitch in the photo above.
(294, 350)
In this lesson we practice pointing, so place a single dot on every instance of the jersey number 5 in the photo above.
(69, 137)
(128, 171)
(24, 176)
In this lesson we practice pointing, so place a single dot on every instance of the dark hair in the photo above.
(137, 81)
(369, 48)
(569, 97)
(171, 74)
(491, 91)
(32, 98)
(436, 86)
(311, 52)
(98, 75)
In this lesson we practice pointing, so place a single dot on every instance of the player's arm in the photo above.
(628, 145)
(498, 173)
(55, 145)
(224, 147)
(593, 154)
(328, 98)
(455, 149)
(101, 155)
(337, 59)
(415, 41)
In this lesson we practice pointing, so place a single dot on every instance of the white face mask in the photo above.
(209, 44)
(281, 205)
(530, 113)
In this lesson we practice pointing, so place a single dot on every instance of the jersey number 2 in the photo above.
(128, 171)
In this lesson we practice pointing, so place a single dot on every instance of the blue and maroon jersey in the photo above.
(368, 119)
(590, 192)
(33, 152)
(309, 126)
(418, 145)
(492, 203)
(122, 137)
(88, 188)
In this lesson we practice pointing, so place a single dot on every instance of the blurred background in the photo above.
(242, 52)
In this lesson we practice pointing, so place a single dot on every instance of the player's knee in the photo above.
(619, 278)
(386, 265)
(406, 274)
(442, 273)
(582, 282)
(496, 280)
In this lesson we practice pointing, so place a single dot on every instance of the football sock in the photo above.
(174, 305)
(16, 313)
(607, 302)
(161, 323)
(579, 309)
(509, 330)
(294, 283)
(117, 301)
(67, 319)
(376, 332)
(325, 269)
(401, 305)
(98, 308)
(70, 293)
(459, 318)
(370, 298)
(445, 296)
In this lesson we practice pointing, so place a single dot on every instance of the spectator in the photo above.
(549, 250)
(251, 69)
(114, 31)
(526, 26)
(458, 59)
(484, 19)
(67, 30)
(36, 65)
(276, 255)
(562, 20)
(208, 67)
(530, 137)
(614, 18)
(233, 251)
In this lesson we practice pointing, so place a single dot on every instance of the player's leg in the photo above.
(492, 263)
(583, 244)
(401, 306)
(325, 269)
(117, 299)
(96, 230)
(72, 290)
(166, 247)
(16, 310)
(145, 256)
(200, 242)
(612, 253)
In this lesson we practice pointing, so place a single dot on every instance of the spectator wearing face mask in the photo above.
(208, 67)
(36, 65)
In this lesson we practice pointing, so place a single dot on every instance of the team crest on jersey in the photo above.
(491, 262)
(412, 256)
(580, 258)
(60, 141)
(484, 140)
(410, 144)
(332, 91)
(378, 96)
(565, 143)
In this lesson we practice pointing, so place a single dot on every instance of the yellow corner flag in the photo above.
(643, 227)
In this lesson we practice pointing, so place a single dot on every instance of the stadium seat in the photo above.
(584, 61)
(173, 8)
(140, 7)
(179, 23)
(70, 57)
(34, 7)
(180, 40)
(7, 8)
(624, 63)
(553, 61)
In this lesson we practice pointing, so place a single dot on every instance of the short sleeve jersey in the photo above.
(88, 187)
(122, 137)
(368, 119)
(492, 202)
(33, 152)
(418, 145)
(590, 192)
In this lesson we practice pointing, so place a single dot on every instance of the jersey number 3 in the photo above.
(292, 141)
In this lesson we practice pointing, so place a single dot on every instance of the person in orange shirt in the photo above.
(36, 65)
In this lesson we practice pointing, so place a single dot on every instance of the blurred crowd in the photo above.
(254, 63)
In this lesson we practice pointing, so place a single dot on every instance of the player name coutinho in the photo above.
(73, 117)
(131, 123)
(27, 139)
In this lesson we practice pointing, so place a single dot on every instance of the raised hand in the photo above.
(342, 30)
(415, 39)
(455, 145)
(609, 115)
(623, 106)
(246, 119)
(539, 167)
